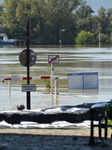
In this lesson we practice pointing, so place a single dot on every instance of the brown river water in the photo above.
(71, 60)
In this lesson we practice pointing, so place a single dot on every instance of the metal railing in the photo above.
(100, 126)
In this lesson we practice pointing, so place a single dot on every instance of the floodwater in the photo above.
(72, 60)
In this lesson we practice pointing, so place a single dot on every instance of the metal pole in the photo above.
(91, 140)
(28, 70)
(52, 73)
(106, 127)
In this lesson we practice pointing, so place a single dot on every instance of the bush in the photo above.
(47, 84)
(109, 113)
(85, 38)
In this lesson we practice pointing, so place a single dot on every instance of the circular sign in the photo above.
(23, 57)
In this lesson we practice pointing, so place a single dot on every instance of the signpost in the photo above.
(28, 70)
(52, 59)
(28, 87)
(15, 78)
(23, 58)
(20, 33)
(27, 58)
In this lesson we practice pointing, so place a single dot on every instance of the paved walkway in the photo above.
(49, 142)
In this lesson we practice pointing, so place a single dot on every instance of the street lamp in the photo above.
(61, 30)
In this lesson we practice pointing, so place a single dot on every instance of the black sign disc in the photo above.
(23, 57)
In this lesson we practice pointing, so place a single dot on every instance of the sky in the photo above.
(96, 4)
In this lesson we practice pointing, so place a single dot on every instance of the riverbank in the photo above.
(48, 139)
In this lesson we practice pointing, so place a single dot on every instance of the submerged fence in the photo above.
(16, 78)
(87, 80)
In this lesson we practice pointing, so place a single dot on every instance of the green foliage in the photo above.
(1, 10)
(85, 38)
(109, 113)
(45, 16)
(61, 17)
(110, 123)
(103, 38)
(84, 17)
(105, 20)
(50, 16)
(47, 84)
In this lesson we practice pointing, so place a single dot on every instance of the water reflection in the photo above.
(54, 100)
(7, 46)
(83, 91)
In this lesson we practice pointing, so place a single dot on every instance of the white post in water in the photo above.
(10, 92)
(52, 73)
(52, 59)
(56, 86)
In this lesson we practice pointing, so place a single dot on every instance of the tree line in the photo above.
(65, 21)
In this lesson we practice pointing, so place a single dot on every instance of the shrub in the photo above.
(47, 84)
(85, 38)
(109, 113)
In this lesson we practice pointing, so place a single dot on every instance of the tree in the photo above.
(9, 14)
(84, 17)
(36, 12)
(105, 22)
(94, 28)
(85, 38)
(1, 10)
(17, 12)
(61, 17)
(50, 17)
(46, 17)
(103, 38)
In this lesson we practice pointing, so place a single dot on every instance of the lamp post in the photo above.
(61, 30)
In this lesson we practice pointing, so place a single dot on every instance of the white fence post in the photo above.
(56, 85)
